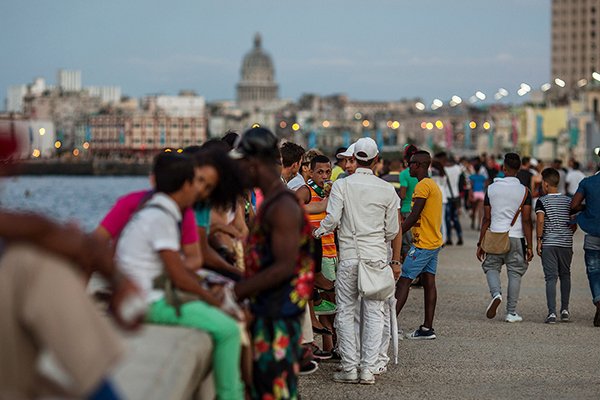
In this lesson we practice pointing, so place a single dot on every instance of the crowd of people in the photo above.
(266, 246)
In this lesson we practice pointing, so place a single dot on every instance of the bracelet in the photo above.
(395, 262)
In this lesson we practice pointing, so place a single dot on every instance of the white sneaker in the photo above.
(346, 376)
(380, 370)
(366, 377)
(513, 318)
(493, 306)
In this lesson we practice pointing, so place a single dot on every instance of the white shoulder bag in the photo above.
(375, 277)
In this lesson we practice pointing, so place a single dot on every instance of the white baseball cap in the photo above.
(348, 153)
(365, 149)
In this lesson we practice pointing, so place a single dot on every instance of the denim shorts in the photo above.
(418, 261)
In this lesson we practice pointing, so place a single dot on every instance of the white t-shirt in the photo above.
(573, 178)
(296, 182)
(453, 173)
(505, 196)
(152, 229)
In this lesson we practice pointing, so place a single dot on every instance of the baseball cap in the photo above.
(365, 149)
(349, 152)
(256, 142)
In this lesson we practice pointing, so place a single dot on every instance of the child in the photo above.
(555, 243)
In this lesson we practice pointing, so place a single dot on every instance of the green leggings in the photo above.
(226, 340)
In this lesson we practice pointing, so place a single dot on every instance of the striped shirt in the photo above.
(556, 208)
(328, 241)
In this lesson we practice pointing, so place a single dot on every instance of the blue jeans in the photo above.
(592, 266)
(452, 220)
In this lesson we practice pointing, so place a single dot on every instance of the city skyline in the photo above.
(383, 50)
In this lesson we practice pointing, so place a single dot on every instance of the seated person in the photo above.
(150, 248)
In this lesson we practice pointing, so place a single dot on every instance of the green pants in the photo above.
(328, 267)
(224, 332)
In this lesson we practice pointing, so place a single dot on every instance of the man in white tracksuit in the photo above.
(374, 205)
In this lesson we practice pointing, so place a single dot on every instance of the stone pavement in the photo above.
(477, 358)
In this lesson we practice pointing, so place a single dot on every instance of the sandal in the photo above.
(322, 331)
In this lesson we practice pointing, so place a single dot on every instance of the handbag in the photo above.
(499, 242)
(375, 277)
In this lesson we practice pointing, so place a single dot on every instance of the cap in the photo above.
(365, 149)
(349, 152)
(256, 142)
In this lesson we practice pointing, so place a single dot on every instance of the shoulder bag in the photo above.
(375, 277)
(499, 242)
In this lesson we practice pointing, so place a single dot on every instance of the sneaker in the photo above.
(346, 376)
(493, 306)
(325, 308)
(308, 368)
(550, 319)
(514, 317)
(421, 334)
(335, 357)
(597, 317)
(366, 377)
(380, 370)
(320, 354)
(565, 316)
(460, 242)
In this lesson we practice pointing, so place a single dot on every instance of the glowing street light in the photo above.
(480, 95)
(526, 87)
(546, 86)
(503, 92)
(559, 82)
(582, 82)
(255, 125)
(326, 124)
(86, 145)
(36, 153)
(295, 127)
(395, 125)
(472, 124)
(420, 106)
(76, 152)
(596, 76)
(57, 144)
(366, 123)
(439, 124)
(283, 124)
(438, 103)
(487, 125)
(42, 131)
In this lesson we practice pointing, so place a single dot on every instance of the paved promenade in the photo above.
(477, 358)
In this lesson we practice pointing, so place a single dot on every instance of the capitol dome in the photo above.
(257, 86)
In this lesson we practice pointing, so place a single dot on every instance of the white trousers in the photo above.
(356, 350)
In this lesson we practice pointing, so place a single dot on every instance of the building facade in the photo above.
(162, 122)
(575, 42)
(257, 87)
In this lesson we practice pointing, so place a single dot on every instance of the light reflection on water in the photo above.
(84, 199)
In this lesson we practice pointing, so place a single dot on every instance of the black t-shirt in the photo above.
(524, 176)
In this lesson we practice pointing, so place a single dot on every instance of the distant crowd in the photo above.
(267, 246)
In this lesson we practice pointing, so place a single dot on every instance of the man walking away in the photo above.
(425, 220)
(505, 198)
(589, 222)
(370, 205)
(574, 177)
(453, 177)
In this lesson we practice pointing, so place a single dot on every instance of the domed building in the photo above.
(257, 86)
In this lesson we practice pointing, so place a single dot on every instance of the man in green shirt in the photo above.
(407, 187)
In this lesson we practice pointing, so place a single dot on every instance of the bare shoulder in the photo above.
(285, 209)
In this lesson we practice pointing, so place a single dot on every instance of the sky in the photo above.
(369, 50)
